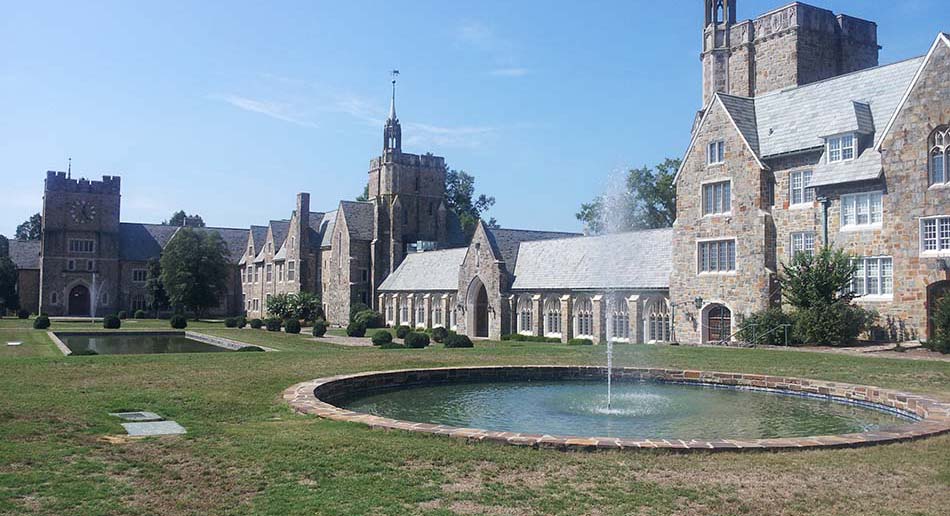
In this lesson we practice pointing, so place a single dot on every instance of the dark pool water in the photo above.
(136, 344)
(638, 410)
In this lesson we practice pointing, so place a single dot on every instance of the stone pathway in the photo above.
(914, 351)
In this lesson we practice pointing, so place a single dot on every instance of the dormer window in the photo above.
(841, 148)
(716, 153)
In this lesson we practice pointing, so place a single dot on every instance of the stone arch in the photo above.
(477, 308)
(717, 323)
(525, 314)
(551, 312)
(618, 318)
(935, 292)
(583, 317)
(79, 301)
(656, 320)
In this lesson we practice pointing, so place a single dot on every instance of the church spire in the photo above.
(392, 133)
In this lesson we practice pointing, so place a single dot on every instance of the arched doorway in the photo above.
(935, 293)
(481, 312)
(79, 301)
(718, 324)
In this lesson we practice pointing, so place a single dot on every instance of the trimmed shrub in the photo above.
(580, 342)
(292, 326)
(272, 324)
(356, 329)
(392, 345)
(382, 337)
(178, 322)
(230, 322)
(940, 340)
(517, 337)
(139, 314)
(439, 334)
(23, 314)
(123, 315)
(417, 340)
(356, 308)
(768, 327)
(319, 328)
(837, 324)
(256, 324)
(250, 348)
(458, 341)
(402, 331)
(241, 321)
(41, 323)
(111, 322)
(370, 318)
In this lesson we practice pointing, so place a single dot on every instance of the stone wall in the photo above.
(28, 289)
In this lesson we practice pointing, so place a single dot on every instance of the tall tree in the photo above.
(365, 195)
(9, 299)
(194, 269)
(648, 201)
(31, 228)
(180, 218)
(155, 296)
(460, 198)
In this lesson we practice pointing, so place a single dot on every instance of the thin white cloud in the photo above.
(509, 72)
(277, 110)
(426, 135)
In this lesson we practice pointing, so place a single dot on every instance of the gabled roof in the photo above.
(325, 231)
(280, 229)
(360, 219)
(507, 241)
(742, 112)
(25, 254)
(426, 272)
(635, 260)
(143, 242)
(260, 235)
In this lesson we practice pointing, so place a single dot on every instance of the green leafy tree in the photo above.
(307, 306)
(940, 340)
(194, 269)
(155, 296)
(31, 228)
(9, 299)
(648, 202)
(281, 306)
(363, 197)
(182, 219)
(461, 199)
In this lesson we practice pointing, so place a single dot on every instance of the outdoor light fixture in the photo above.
(698, 302)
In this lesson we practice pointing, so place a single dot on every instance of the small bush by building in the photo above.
(139, 314)
(256, 324)
(230, 322)
(518, 337)
(178, 322)
(356, 329)
(111, 322)
(940, 340)
(356, 308)
(272, 324)
(123, 315)
(23, 314)
(439, 334)
(580, 342)
(416, 340)
(458, 341)
(241, 321)
(292, 326)
(392, 345)
(319, 328)
(769, 327)
(41, 323)
(381, 337)
(370, 318)
(402, 331)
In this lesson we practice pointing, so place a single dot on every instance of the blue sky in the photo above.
(230, 108)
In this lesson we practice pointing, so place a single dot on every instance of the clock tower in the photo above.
(79, 254)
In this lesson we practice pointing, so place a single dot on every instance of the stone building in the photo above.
(815, 148)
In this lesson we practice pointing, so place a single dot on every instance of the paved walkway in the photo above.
(913, 351)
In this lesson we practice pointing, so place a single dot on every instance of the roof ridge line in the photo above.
(836, 77)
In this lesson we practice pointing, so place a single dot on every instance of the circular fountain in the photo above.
(565, 407)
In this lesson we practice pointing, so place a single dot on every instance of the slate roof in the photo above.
(508, 241)
(326, 229)
(865, 167)
(635, 260)
(279, 228)
(25, 254)
(142, 242)
(742, 111)
(427, 272)
(260, 235)
(359, 219)
(795, 119)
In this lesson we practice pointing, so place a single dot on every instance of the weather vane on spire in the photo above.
(69, 168)
(392, 104)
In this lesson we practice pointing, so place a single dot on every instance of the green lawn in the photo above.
(247, 453)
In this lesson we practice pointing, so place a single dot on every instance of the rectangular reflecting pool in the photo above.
(134, 343)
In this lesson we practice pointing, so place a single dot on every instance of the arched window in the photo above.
(525, 315)
(404, 310)
(552, 317)
(390, 312)
(584, 317)
(619, 319)
(453, 312)
(940, 156)
(54, 298)
(420, 311)
(658, 321)
(720, 10)
(437, 313)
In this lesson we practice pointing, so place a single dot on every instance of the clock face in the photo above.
(82, 212)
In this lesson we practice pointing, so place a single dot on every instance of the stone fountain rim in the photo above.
(931, 417)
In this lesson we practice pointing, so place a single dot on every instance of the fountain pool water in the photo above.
(636, 410)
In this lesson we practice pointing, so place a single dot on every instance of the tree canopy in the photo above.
(9, 299)
(461, 199)
(646, 200)
(194, 269)
(31, 228)
(180, 218)
(363, 197)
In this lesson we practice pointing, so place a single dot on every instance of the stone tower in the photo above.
(408, 191)
(79, 263)
(790, 46)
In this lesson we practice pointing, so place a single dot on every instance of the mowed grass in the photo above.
(247, 453)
